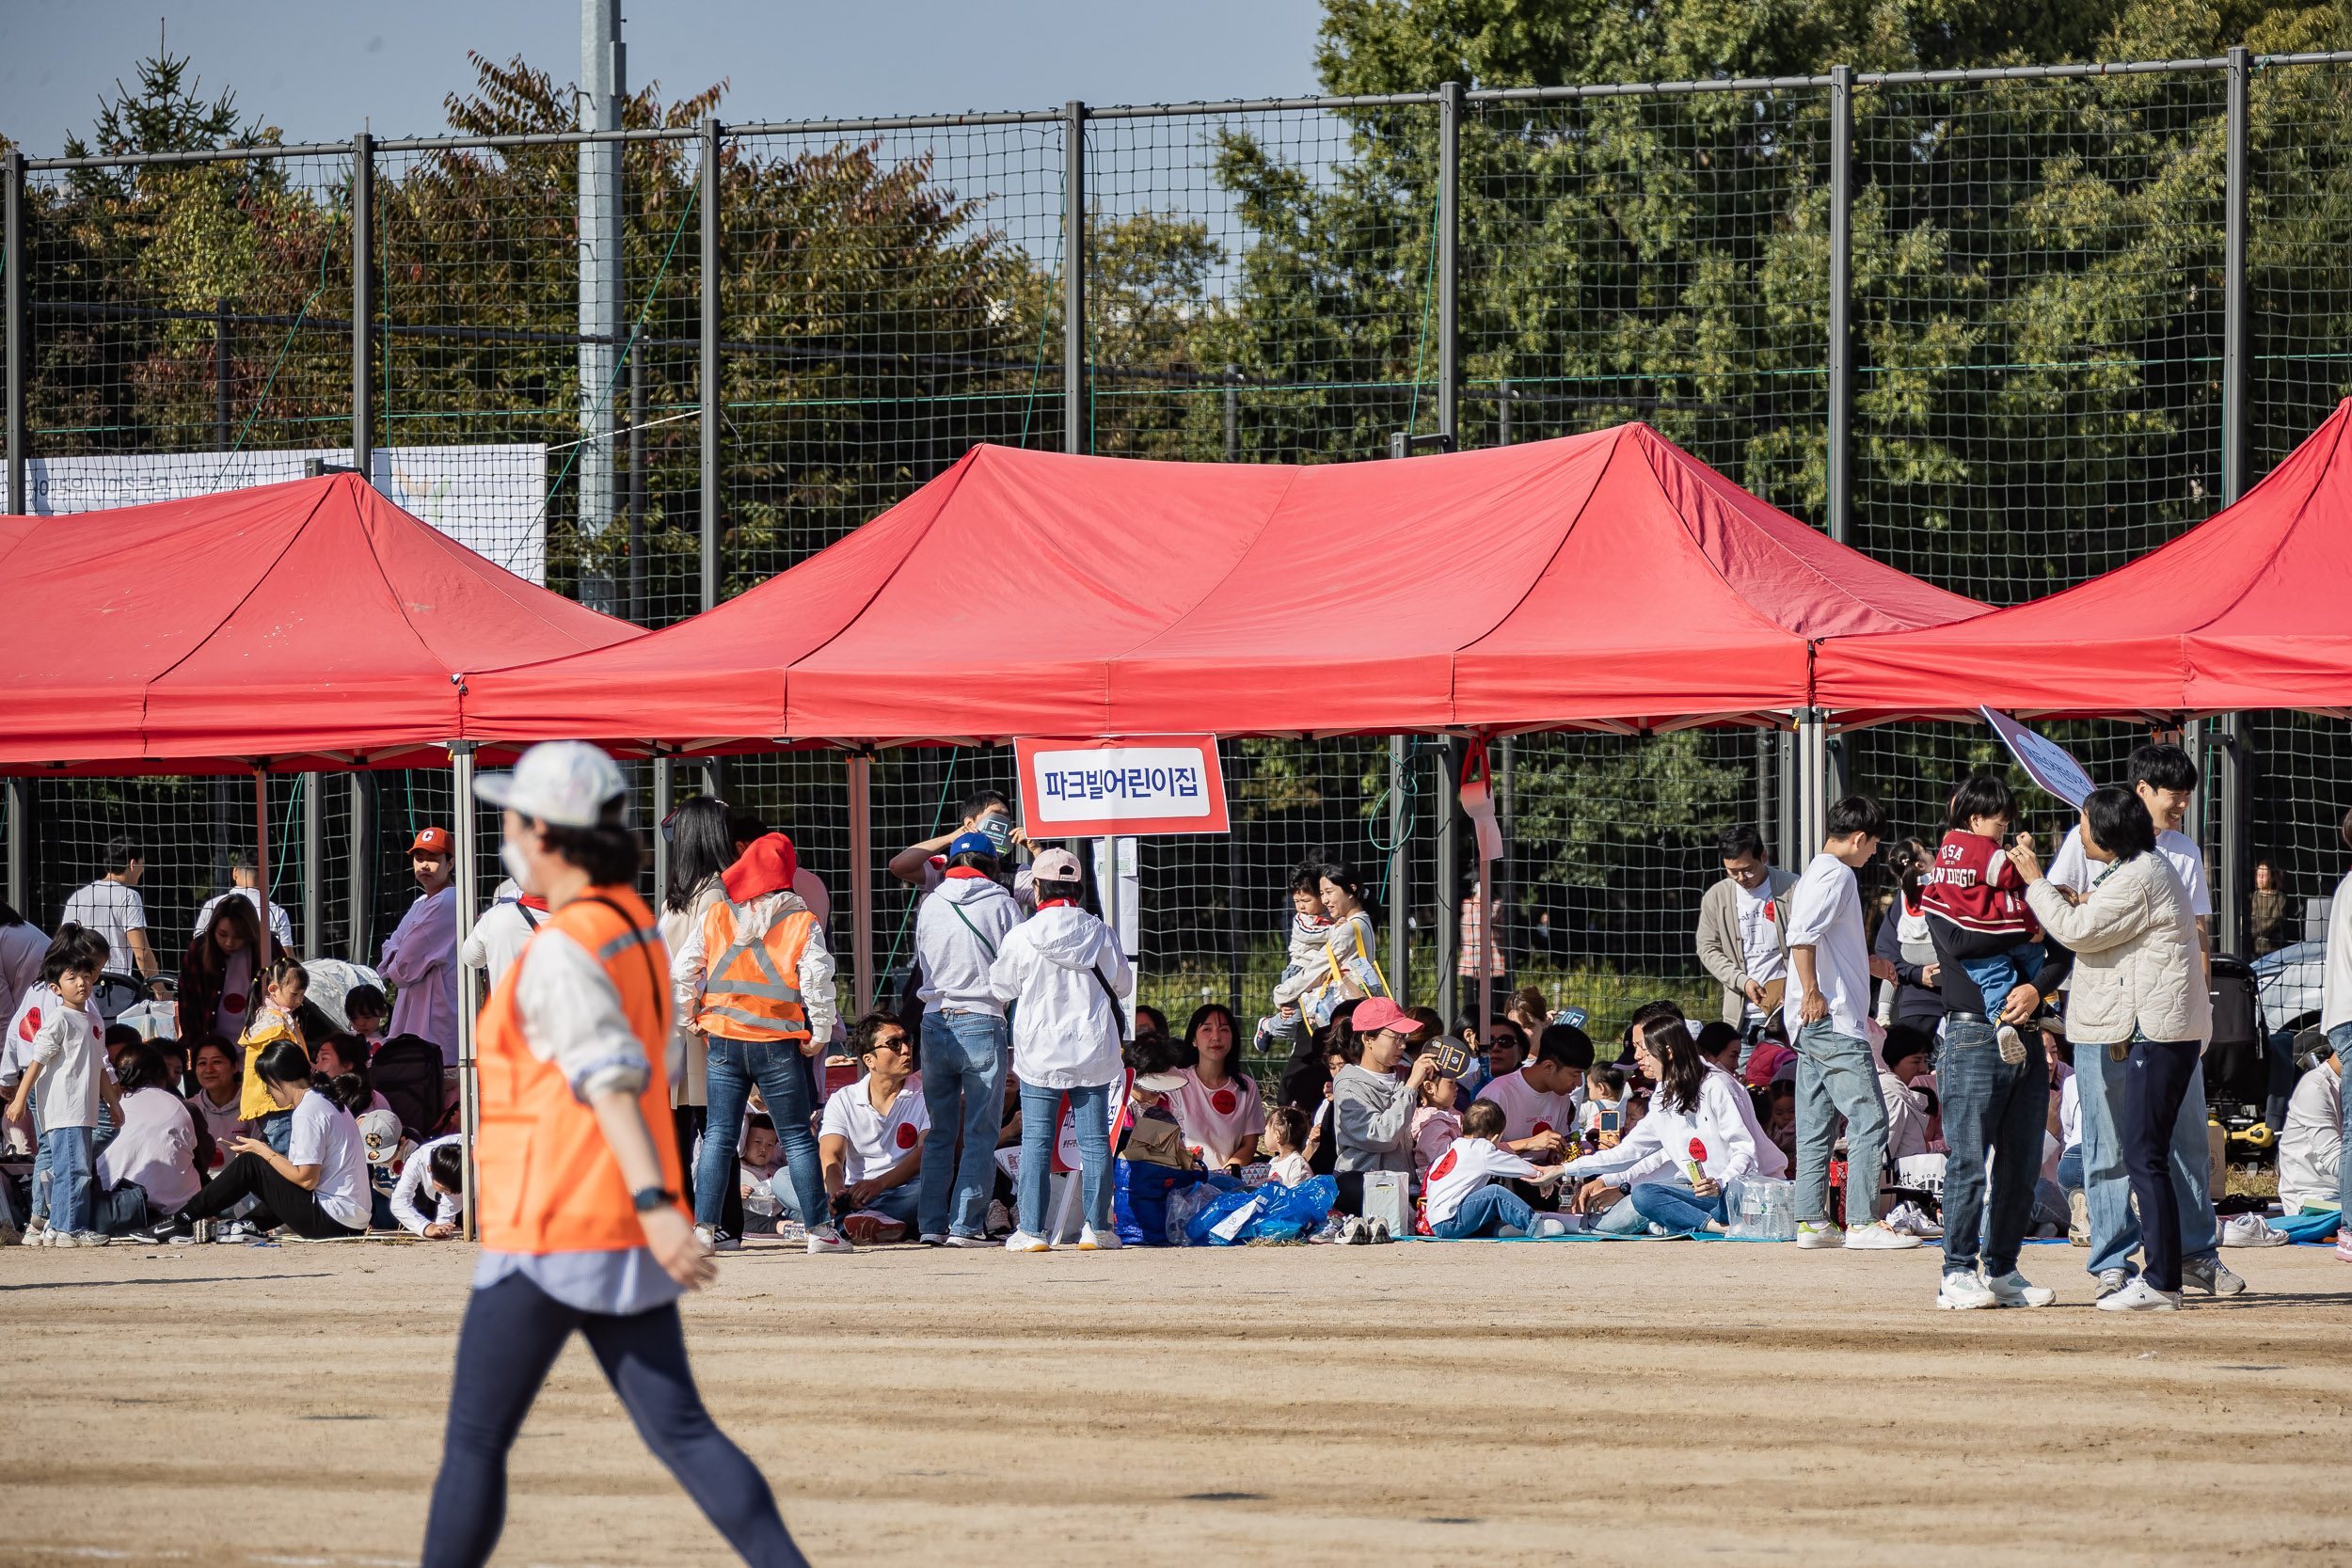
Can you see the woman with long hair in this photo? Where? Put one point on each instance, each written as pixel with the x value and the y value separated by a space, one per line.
pixel 216 976
pixel 1351 948
pixel 700 850
pixel 1219 1107
pixel 1694 1140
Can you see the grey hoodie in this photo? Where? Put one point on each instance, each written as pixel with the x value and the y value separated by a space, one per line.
pixel 957 937
pixel 1376 1119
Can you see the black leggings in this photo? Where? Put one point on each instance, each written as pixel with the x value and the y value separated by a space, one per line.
pixel 514 1331
pixel 281 1201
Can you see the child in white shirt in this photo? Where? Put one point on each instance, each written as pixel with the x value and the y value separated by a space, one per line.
pixel 1294 1138
pixel 62 1054
pixel 1462 1202
pixel 1600 1121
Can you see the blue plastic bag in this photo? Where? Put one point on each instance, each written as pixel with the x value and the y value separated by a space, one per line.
pixel 1276 1213
pixel 1140 1194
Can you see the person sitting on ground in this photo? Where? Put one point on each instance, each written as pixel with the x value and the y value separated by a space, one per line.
pixel 1304 969
pixel 435 1170
pixel 1975 888
pixel 1436 1123
pixel 2311 1150
pixel 1315 1060
pixel 365 1011
pixel 1293 1137
pixel 1904 1059
pixel 342 1055
pixel 61 1058
pixel 219 1104
pixel 1373 1110
pixel 1780 1128
pixel 149 1166
pixel 1541 1100
pixel 318 1188
pixel 175 1065
pixel 278 996
pixel 1462 1200
pixel 1694 1139
pixel 755 1166
pixel 1719 1043
pixel 871 1139
pixel 1218 1108
pixel 1600 1121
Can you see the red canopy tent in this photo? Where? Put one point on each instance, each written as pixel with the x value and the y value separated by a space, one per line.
pixel 2251 608
pixel 314 623
pixel 1607 581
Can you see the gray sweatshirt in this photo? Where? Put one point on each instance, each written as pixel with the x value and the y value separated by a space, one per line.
pixel 1376 1118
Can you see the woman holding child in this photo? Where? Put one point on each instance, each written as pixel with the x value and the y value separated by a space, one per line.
pixel 1694 1140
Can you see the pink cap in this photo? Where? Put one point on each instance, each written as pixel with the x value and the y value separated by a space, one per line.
pixel 1375 1013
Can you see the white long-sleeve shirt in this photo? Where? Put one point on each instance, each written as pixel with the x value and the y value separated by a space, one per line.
pixel 572 1017
pixel 690 965
pixel 498 939
pixel 2335 994
pixel 2311 1149
pixel 448 1207
pixel 22 948
pixel 421 961
pixel 1656 1149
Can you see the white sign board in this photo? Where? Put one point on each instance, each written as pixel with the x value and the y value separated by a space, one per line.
pixel 1094 788
pixel 492 499
pixel 2046 761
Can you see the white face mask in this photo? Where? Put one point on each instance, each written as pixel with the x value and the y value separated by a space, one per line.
pixel 517 867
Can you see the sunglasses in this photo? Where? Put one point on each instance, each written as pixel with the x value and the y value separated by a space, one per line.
pixel 900 1044
pixel 668 835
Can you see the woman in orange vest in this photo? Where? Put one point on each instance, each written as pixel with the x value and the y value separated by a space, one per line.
pixel 580 1223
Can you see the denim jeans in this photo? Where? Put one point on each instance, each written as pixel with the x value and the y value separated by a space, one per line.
pixel 1040 1119
pixel 1836 1077
pixel 1989 1104
pixel 898 1202
pixel 733 1068
pixel 1484 1213
pixel 2156 1082
pixel 1676 1206
pixel 2341 1038
pixel 2004 972
pixel 277 1130
pixel 41 1156
pixel 70 1178
pixel 2070 1171
pixel 963 1093
pixel 2114 1230
pixel 121 1211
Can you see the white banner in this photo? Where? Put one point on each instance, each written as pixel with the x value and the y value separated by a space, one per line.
pixel 489 499
pixel 2045 762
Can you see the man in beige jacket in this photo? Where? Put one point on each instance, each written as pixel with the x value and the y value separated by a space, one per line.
pixel 1744 934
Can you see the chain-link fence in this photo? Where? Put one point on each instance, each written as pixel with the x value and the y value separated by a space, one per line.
pixel 2040 367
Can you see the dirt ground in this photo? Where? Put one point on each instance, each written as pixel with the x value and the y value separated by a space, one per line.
pixel 1652 1402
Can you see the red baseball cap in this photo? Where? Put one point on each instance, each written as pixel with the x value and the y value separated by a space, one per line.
pixel 432 840
pixel 1375 1013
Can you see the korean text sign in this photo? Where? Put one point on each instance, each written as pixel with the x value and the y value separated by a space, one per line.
pixel 1162 783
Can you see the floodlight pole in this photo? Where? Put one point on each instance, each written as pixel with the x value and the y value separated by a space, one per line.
pixel 469 1077
pixel 12 174
pixel 1073 274
pixel 1448 280
pixel 713 413
pixel 1840 300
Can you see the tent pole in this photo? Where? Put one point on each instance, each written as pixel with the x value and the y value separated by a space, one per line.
pixel 1445 800
pixel 362 864
pixel 1400 966
pixel 664 788
pixel 313 865
pixel 1486 950
pixel 261 849
pixel 468 1082
pixel 861 780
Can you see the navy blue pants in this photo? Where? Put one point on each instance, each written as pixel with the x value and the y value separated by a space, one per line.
pixel 2155 1080
pixel 514 1331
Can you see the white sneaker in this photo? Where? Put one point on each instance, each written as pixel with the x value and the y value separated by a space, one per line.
pixel 1091 1240
pixel 99 1238
pixel 968 1241
pixel 1908 1219
pixel 1510 1233
pixel 933 1237
pixel 1019 1240
pixel 1819 1233
pixel 824 1238
pixel 2112 1281
pixel 2010 1290
pixel 1549 1225
pixel 2012 1044
pixel 40 1225
pixel 1876 1238
pixel 2251 1230
pixel 2141 1296
pixel 2212 1277
pixel 54 1237
pixel 1963 1292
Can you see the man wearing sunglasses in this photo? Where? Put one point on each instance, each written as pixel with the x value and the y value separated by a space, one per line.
pixel 870 1140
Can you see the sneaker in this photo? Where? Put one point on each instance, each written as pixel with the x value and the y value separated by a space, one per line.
pixel 1379 1229
pixel 1875 1237
pixel 2141 1296
pixel 933 1237
pixel 1819 1233
pixel 970 1240
pixel 1359 1232
pixel 2251 1230
pixel 54 1237
pixel 1909 1219
pixel 2112 1281
pixel 160 1235
pixel 791 1232
pixel 1509 1233
pixel 99 1238
pixel 1963 1292
pixel 999 1218
pixel 2010 1290
pixel 722 1240
pixel 869 1228
pixel 2012 1044
pixel 2078 1212
pixel 39 1226
pixel 2211 1276
pixel 1019 1240
pixel 1549 1225
pixel 824 1238
pixel 235 1230
pixel 2343 1249
pixel 1091 1240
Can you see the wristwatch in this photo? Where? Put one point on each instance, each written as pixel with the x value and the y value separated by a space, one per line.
pixel 649 1199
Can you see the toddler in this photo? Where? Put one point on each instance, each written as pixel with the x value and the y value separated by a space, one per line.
pixel 1974 886
pixel 1310 927
pixel 1433 1126
pixel 760 1159
pixel 1596 1122
pixel 1293 1137
pixel 61 1052
pixel 1462 1200
pixel 282 986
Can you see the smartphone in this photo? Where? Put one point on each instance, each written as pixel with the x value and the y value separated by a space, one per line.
pixel 1609 1119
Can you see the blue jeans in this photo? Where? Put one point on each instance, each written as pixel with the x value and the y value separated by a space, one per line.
pixel 2004 972
pixel 898 1202
pixel 41 1156
pixel 2070 1172
pixel 1836 1077
pixel 121 1211
pixel 963 1093
pixel 1040 1119
pixel 70 1178
pixel 2341 1038
pixel 1676 1206
pixel 1989 1104
pixel 2114 1230
pixel 1484 1212
pixel 734 1066
pixel 277 1130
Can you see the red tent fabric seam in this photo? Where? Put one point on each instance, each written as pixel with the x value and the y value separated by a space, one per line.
pixel 1265 521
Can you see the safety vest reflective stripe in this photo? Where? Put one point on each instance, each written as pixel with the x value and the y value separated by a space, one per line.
pixel 627 939
pixel 760 973
pixel 740 1015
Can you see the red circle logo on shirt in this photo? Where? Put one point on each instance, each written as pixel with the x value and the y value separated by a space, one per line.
pixel 31 1026
pixel 1542 1127
pixel 232 1003
pixel 1224 1101
pixel 1444 1164
pixel 906 1134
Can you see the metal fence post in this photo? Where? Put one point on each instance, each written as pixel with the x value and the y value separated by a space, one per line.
pixel 19 319
pixel 713 413
pixel 361 867
pixel 469 1081
pixel 313 865
pixel 22 796
pixel 1400 967
pixel 1233 413
pixel 362 304
pixel 637 485
pixel 1448 872
pixel 1503 415
pixel 2237 319
pixel 221 412
pixel 861 782
pixel 1840 300
pixel 1449 233
pixel 1073 274
pixel 664 776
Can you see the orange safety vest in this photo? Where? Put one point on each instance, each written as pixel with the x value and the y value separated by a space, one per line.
pixel 751 989
pixel 549 1182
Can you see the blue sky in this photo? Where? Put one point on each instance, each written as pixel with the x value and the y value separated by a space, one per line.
pixel 321 71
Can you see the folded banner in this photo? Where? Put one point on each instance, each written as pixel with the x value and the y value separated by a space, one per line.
pixel 2045 762
pixel 1159 784
pixel 1478 801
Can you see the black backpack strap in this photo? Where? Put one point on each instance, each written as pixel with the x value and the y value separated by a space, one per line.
pixel 644 948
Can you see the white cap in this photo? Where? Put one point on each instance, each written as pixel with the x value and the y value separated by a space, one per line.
pixel 563 783
pixel 1056 866
pixel 381 1132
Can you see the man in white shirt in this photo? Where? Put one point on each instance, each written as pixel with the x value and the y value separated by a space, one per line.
pixel 2335 1016
pixel 1540 1102
pixel 111 906
pixel 248 884
pixel 1828 1001
pixel 420 954
pixel 2165 779
pixel 1743 924
pixel 870 1140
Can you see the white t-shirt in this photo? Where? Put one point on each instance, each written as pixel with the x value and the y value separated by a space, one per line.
pixel 155 1146
pixel 280 923
pixel 1222 1121
pixel 326 1136
pixel 1292 1170
pixel 23 1027
pixel 1526 1112
pixel 2071 1112
pixel 65 1044
pixel 1461 1170
pixel 2071 868
pixel 113 910
pixel 877 1139
pixel 1759 938
pixel 1825 914
pixel 22 948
